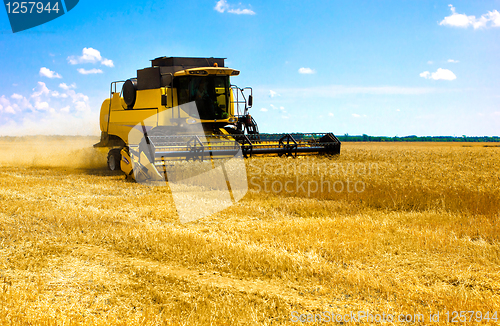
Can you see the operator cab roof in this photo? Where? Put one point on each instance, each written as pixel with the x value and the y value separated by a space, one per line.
pixel 187 62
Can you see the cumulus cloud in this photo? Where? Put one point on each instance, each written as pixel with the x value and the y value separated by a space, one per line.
pixel 306 71
pixel 107 63
pixel 425 74
pixel 263 110
pixel 90 71
pixel 443 74
pixel 222 6
pixel 90 55
pixel 19 103
pixel 47 111
pixel 41 106
pixel 42 97
pixel 66 87
pixel 45 72
pixel 490 19
pixel 40 90
pixel 273 93
pixel 6 106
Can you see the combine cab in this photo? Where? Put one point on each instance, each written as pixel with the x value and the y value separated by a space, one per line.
pixel 186 108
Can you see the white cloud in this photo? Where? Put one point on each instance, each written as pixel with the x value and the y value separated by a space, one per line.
pixel 90 71
pixel 4 101
pixel 457 20
pixel 21 103
pixel 42 90
pixel 107 63
pixel 306 71
pixel 9 109
pixel 453 61
pixel 263 110
pixel 494 17
pixel 239 11
pixel 6 106
pixel 90 55
pixel 273 107
pixel 66 87
pixel 41 106
pixel 77 97
pixel 443 74
pixel 425 74
pixel 331 114
pixel 52 122
pixel 45 72
pixel 42 98
pixel 222 6
pixel 491 19
pixel 47 112
pixel 430 62
pixel 273 93
pixel 355 115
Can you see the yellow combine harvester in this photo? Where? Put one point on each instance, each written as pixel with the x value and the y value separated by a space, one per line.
pixel 186 108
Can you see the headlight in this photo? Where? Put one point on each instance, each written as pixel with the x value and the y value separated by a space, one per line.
pixel 232 119
pixel 191 121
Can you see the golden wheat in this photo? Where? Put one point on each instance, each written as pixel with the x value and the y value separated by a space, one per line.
pixel 81 245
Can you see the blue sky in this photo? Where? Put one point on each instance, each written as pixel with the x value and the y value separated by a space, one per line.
pixel 379 68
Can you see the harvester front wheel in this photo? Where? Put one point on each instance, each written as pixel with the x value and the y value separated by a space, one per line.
pixel 114 158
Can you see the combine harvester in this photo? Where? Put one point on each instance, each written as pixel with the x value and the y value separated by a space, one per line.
pixel 186 108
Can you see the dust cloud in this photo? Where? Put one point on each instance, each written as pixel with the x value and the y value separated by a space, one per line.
pixel 52 151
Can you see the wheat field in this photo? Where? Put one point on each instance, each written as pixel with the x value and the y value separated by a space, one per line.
pixel 385 228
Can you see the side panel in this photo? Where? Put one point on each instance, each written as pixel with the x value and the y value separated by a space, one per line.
pixel 103 117
pixel 148 98
pixel 123 120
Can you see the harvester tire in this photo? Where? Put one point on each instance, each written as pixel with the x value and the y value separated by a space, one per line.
pixel 114 158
